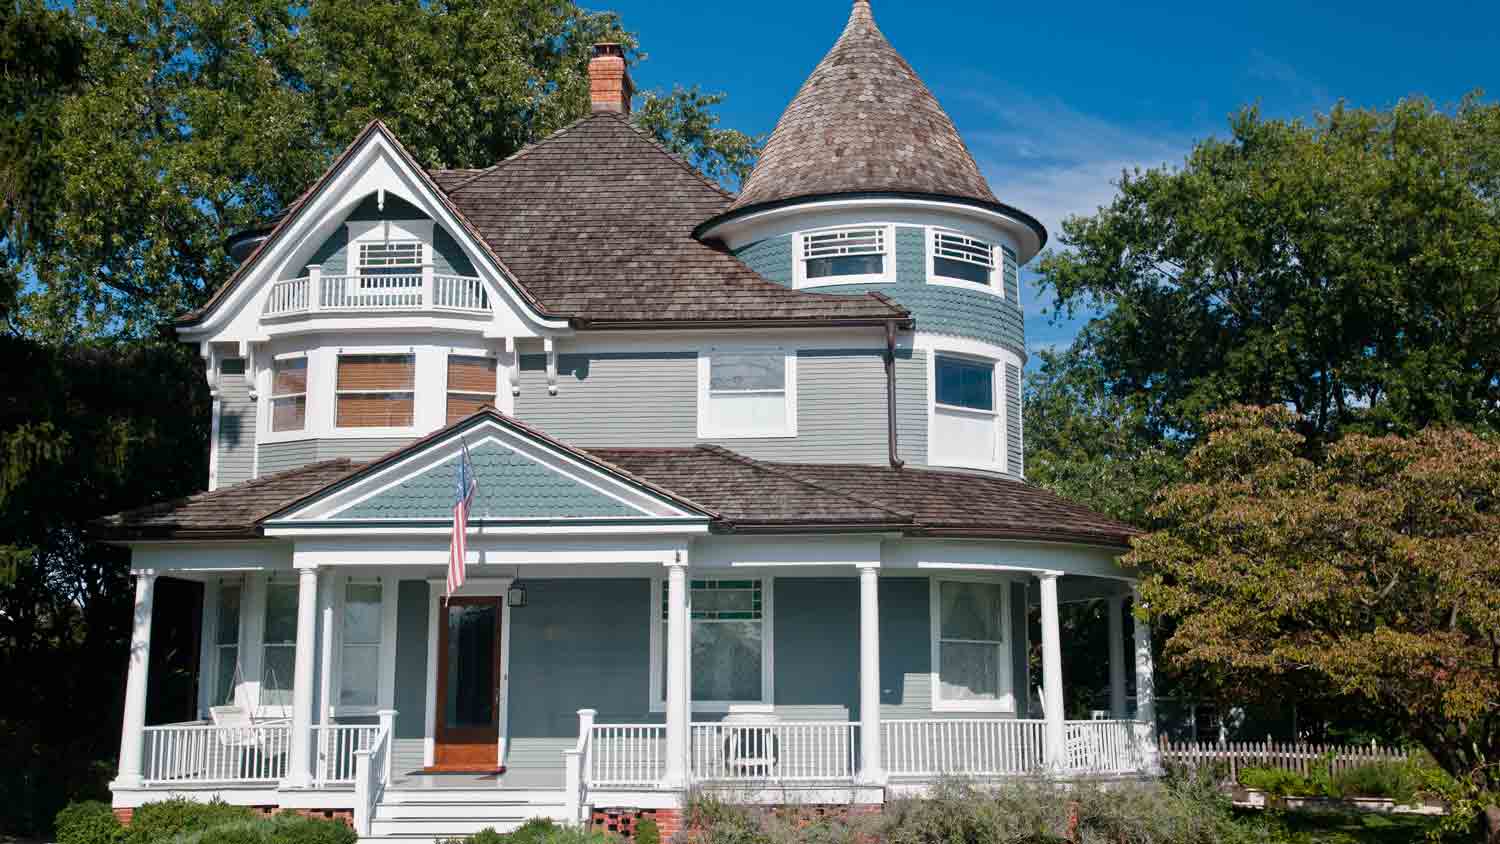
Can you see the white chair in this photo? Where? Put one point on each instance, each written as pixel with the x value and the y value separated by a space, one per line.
pixel 750 745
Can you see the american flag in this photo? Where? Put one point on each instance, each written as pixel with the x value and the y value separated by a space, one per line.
pixel 463 496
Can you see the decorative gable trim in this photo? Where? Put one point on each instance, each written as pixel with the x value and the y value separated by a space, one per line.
pixel 374 162
pixel 518 467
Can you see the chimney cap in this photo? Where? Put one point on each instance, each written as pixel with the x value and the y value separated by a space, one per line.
pixel 609 48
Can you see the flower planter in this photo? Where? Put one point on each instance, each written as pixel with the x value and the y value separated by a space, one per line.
pixel 1249 798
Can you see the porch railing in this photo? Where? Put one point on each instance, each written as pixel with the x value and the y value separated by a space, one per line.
pixel 372 772
pixel 1107 747
pixel 336 745
pixel 199 753
pixel 785 751
pixel 622 755
pixel 963 746
pixel 376 293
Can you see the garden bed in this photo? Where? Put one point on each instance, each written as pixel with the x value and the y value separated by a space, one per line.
pixel 1249 798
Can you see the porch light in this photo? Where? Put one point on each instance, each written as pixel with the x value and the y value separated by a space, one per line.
pixel 515 596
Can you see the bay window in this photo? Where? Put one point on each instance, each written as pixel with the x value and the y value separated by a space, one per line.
pixel 730 643
pixel 747 394
pixel 375 391
pixel 279 645
pixel 958 257
pixel 289 394
pixel 971 655
pixel 471 385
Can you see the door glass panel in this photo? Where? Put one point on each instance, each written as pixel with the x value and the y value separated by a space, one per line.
pixel 470 692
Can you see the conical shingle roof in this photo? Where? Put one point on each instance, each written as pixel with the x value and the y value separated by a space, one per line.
pixel 863 122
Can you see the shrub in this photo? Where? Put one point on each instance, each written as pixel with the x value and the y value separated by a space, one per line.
pixel 285 828
pixel 647 832
pixel 1395 780
pixel 163 821
pixel 89 822
pixel 534 831
pixel 1279 783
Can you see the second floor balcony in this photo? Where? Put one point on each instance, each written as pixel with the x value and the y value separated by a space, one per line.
pixel 423 291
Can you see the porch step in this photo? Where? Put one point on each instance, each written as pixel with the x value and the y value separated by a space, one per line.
pixel 422 816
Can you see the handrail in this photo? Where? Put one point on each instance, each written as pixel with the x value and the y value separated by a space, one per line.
pixel 779 751
pixel 576 763
pixel 198 752
pixel 362 293
pixel 372 772
pixel 336 745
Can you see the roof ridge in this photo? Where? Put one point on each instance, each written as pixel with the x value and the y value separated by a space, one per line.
pixel 526 150
pixel 779 470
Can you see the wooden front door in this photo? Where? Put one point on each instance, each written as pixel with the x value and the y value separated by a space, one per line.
pixel 468 685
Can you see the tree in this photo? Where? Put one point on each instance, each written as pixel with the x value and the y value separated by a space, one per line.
pixel 1368 577
pixel 1348 268
pixel 200 118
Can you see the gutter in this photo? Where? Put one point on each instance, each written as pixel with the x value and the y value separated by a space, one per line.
pixel 890 394
pixel 663 324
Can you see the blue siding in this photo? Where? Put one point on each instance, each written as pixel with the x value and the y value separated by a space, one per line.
pixel 447 257
pixel 772 258
pixel 411 659
pixel 510 487
pixel 817 647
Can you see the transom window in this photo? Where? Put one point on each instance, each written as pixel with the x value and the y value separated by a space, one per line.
pixel 289 394
pixel 359 654
pixel 729 641
pixel 471 385
pixel 747 394
pixel 838 253
pixel 964 383
pixel 390 257
pixel 279 650
pixel 958 256
pixel 375 391
pixel 970 643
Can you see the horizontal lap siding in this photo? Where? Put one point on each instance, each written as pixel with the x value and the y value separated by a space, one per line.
pixel 911 407
pixel 278 457
pixel 236 440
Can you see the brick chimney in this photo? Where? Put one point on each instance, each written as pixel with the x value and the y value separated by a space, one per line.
pixel 610 87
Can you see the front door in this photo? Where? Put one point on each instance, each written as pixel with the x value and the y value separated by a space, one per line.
pixel 468 685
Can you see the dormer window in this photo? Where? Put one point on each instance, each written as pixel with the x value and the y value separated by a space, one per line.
pixel 385 258
pixel 961 258
pixel 849 255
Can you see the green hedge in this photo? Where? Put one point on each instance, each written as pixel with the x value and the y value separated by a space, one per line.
pixel 188 822
pixel 90 822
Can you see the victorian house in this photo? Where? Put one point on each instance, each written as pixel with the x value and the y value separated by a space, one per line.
pixel 751 510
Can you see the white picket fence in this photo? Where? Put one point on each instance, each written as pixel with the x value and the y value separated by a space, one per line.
pixel 1298 757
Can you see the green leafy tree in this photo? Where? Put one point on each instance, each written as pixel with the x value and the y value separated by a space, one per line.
pixel 1348 268
pixel 685 123
pixel 1367 577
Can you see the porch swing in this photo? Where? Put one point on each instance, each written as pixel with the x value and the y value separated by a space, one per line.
pixel 240 728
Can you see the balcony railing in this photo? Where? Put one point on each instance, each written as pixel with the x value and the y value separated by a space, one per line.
pixel 364 293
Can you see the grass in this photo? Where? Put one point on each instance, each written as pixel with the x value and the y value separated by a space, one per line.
pixel 1352 828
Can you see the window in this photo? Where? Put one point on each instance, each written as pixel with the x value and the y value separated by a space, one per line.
pixel 969 643
pixel 226 643
pixel 381 262
pixel 359 654
pixel 965 383
pixel 279 652
pixel 963 258
pixel 471 385
pixel 289 394
pixel 730 642
pixel 375 391
pixel 747 394
pixel 842 256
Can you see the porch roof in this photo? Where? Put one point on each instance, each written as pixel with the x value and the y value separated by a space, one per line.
pixel 737 494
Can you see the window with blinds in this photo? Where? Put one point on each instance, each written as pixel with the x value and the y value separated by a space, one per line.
pixel 471 385
pixel 289 394
pixel 375 391
pixel 960 257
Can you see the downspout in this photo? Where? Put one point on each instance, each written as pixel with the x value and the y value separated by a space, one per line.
pixel 890 392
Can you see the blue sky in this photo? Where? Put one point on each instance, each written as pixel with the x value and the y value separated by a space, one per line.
pixel 1055 99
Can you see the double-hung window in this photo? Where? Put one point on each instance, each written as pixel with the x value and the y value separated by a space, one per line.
pixel 970 647
pixel 226 644
pixel 846 255
pixel 359 647
pixel 747 393
pixel 958 257
pixel 375 391
pixel 731 642
pixel 289 394
pixel 279 646
pixel 966 422
pixel 471 385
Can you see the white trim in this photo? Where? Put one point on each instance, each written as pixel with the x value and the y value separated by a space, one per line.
pixel 972 352
pixel 1006 702
pixel 995 286
pixel 271 396
pixel 213 443
pixel 434 612
pixel 658 625
pixel 706 428
pixel 887 265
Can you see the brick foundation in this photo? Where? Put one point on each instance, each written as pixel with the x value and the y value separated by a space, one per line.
pixel 124 816
pixel 623 822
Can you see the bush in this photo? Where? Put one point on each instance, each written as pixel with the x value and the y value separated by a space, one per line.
pixel 1395 780
pixel 163 821
pixel 534 831
pixel 279 829
pixel 1279 783
pixel 647 832
pixel 90 822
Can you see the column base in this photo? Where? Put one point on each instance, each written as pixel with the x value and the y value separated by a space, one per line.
pixel 125 782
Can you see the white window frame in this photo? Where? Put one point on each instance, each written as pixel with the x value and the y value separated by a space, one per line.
pixel 1006 702
pixel 706 427
pixel 493 396
pixel 959 350
pixel 888 262
pixel 658 624
pixel 363 232
pixel 376 352
pixel 996 284
pixel 270 411
pixel 282 710
pixel 208 673
pixel 386 647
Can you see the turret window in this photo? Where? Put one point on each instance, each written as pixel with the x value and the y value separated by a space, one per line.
pixel 959 257
pixel 965 422
pixel 844 255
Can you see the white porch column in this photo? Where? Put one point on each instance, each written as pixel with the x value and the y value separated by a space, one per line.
pixel 326 645
pixel 133 731
pixel 871 769
pixel 678 708
pixel 1117 708
pixel 299 765
pixel 1145 682
pixel 1052 680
